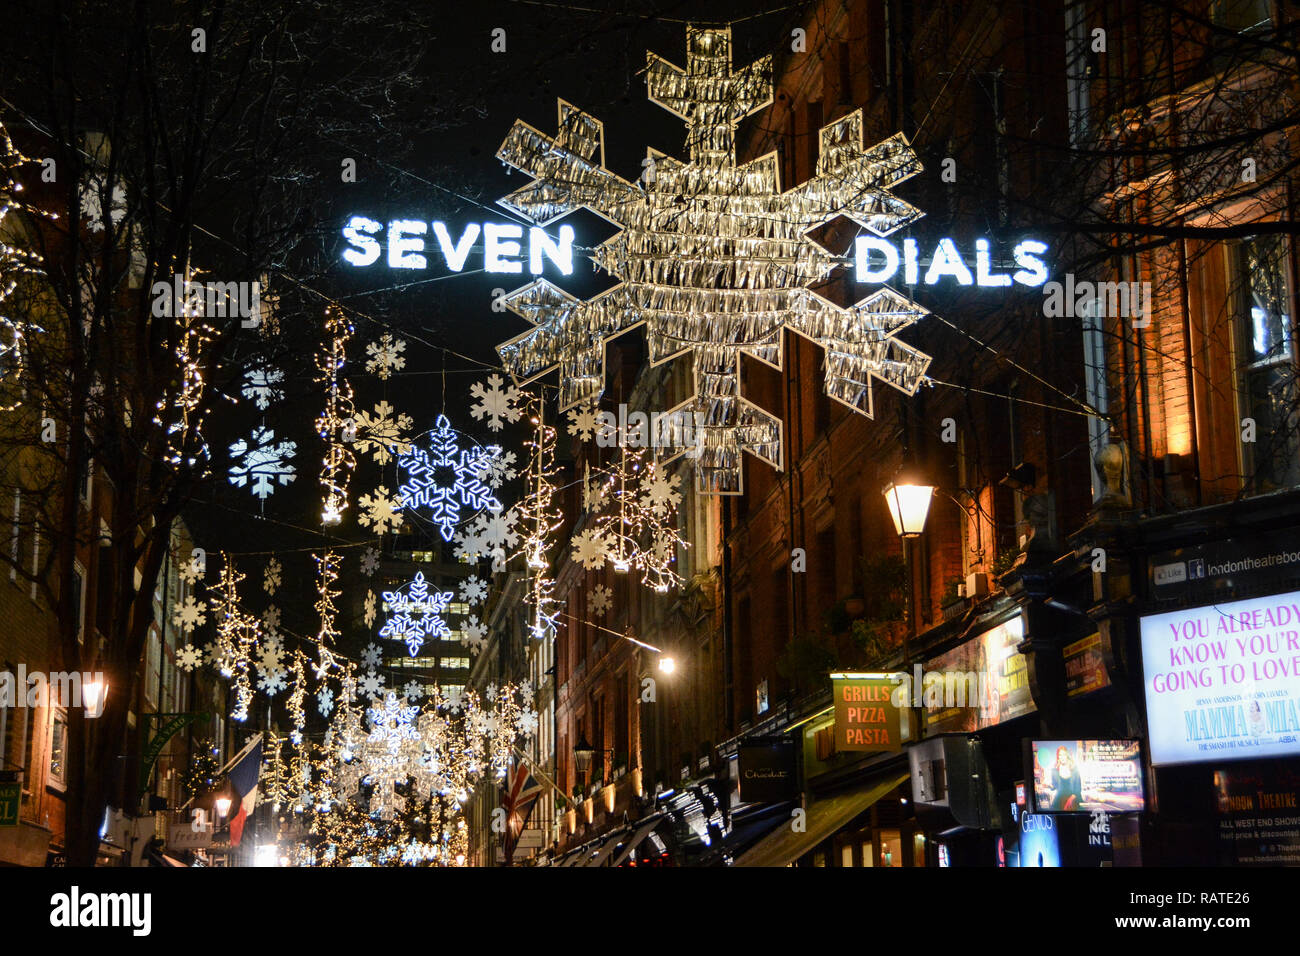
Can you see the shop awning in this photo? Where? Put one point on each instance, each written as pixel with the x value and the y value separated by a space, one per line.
pixel 159 858
pixel 638 836
pixel 596 852
pixel 783 846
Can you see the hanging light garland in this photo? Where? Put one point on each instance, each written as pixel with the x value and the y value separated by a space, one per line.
pixel 539 519
pixel 13 262
pixel 336 424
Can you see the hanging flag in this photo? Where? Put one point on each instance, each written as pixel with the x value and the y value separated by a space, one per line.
pixel 518 800
pixel 245 772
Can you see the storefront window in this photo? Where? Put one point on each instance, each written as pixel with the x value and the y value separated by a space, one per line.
pixel 890 843
pixel 918 849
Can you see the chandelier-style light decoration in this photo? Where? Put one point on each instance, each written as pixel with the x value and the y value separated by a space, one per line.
pixel 715 259
pixel 446 478
pixel 632 520
pixel 336 423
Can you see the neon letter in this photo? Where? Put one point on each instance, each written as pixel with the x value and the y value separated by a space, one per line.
pixel 499 243
pixel 558 251
pixel 365 249
pixel 457 254
pixel 1032 269
pixel 403 253
pixel 868 244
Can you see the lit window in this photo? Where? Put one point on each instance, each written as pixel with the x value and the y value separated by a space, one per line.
pixel 58 748
pixel 1266 366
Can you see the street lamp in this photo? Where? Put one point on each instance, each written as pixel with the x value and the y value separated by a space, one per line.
pixel 582 754
pixel 667 665
pixel 909 498
pixel 93 696
pixel 223 806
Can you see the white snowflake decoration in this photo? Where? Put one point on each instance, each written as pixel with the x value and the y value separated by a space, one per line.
pixel 189 657
pixel 383 435
pixel 473 591
pixel 498 469
pixel 271 576
pixel 417 615
pixel 386 356
pixel 413 690
pixel 584 422
pixel 499 405
pixel 372 655
pixel 661 494
pixel 497 530
pixel 599 599
pixel 271 619
pixel 191 571
pixel 527 723
pixel 713 257
pixel 189 614
pixel 445 479
pixel 372 684
pixel 262 385
pixel 469 546
pixel 368 609
pixel 369 561
pixel 264 462
pixel 272 680
pixel 590 548
pixel 325 701
pixel 381 512
pixel 270 655
pixel 475 634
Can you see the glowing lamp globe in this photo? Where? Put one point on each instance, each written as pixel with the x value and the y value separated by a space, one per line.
pixel 909 505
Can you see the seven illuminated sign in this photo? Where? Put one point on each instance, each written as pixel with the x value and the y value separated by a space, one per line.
pixel 502 245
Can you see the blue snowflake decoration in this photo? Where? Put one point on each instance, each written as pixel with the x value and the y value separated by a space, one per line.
pixel 446 478
pixel 391 723
pixel 417 615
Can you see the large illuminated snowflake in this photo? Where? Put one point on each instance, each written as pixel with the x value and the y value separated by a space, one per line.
pixel 715 259
pixel 417 615
pixel 446 478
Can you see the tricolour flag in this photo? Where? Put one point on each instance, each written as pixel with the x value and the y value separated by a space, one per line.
pixel 244 776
